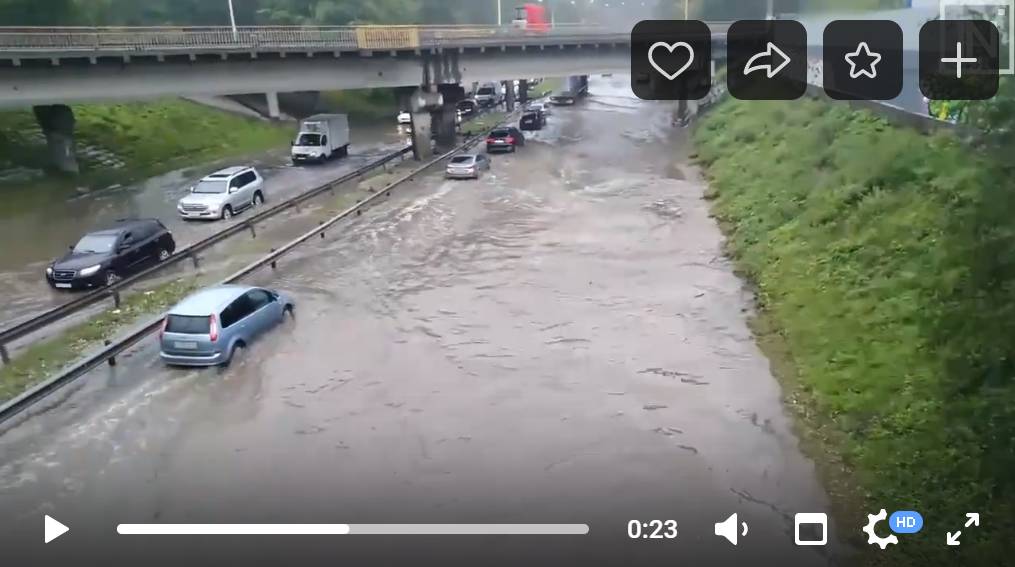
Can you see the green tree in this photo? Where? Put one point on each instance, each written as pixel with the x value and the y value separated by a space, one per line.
pixel 29 13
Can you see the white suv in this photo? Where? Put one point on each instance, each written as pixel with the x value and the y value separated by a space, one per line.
pixel 223 194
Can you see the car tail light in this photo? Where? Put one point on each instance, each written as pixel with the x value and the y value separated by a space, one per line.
pixel 510 139
pixel 490 140
pixel 213 328
pixel 162 331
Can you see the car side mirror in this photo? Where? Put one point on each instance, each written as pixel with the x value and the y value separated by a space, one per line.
pixel 191 188
pixel 233 189
pixel 70 247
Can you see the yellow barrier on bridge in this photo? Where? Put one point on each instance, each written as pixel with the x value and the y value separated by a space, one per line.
pixel 387 37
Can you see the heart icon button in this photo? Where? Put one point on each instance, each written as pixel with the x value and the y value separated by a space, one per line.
pixel 671 47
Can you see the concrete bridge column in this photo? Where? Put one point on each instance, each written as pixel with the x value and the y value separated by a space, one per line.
pixel 273 111
pixel 57 123
pixel 443 119
pixel 509 95
pixel 422 149
pixel 523 91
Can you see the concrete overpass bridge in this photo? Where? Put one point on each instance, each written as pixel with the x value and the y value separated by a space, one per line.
pixel 47 68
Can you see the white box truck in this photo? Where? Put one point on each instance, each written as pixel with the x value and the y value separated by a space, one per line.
pixel 489 94
pixel 321 137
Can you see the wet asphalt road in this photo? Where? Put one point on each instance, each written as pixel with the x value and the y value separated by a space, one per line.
pixel 45 234
pixel 561 341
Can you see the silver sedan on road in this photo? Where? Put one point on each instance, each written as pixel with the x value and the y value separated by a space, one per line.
pixel 210 326
pixel 467 166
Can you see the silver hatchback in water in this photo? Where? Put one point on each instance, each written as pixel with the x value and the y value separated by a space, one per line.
pixel 208 327
pixel 467 166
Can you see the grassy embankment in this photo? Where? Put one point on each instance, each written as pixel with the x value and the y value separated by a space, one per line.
pixel 43 359
pixel 125 142
pixel 363 106
pixel 884 262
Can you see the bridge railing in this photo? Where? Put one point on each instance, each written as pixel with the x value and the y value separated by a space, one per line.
pixel 163 39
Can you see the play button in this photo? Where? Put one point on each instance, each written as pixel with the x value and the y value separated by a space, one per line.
pixel 54 529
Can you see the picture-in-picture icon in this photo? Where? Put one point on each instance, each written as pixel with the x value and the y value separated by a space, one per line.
pixel 810 528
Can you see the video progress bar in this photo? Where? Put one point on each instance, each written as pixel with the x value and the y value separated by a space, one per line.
pixel 352 529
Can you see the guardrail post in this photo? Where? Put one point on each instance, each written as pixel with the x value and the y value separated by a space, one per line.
pixel 195 261
pixel 320 223
pixel 5 357
pixel 274 265
pixel 112 359
pixel 116 298
pixel 253 233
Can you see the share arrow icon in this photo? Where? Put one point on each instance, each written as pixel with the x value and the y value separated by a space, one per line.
pixel 771 60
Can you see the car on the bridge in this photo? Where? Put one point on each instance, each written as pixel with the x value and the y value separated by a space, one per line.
pixel 222 194
pixel 467 166
pixel 105 256
pixel 532 120
pixel 211 326
pixel 507 139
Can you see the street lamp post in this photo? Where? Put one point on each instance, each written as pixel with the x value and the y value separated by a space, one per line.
pixel 498 13
pixel 232 18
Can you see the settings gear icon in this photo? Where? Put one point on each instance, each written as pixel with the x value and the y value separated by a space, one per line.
pixel 873 538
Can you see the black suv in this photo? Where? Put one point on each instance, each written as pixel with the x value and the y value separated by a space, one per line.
pixel 532 120
pixel 105 256
pixel 507 138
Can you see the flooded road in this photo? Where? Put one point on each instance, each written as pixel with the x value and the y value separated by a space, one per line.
pixel 561 341
pixel 45 234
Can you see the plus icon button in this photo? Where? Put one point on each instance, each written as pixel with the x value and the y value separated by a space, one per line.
pixel 959 60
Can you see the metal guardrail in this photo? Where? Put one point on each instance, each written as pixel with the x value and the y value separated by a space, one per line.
pixel 46 318
pixel 140 40
pixel 30 397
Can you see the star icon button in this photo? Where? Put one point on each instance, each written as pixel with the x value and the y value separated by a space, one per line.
pixel 863 62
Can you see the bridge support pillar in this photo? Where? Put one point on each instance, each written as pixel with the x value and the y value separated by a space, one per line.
pixel 422 148
pixel 57 123
pixel 444 119
pixel 273 110
pixel 523 91
pixel 509 95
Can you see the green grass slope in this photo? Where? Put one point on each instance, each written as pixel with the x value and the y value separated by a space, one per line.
pixel 884 262
pixel 132 140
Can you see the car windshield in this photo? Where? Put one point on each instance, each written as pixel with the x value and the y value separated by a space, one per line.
pixel 500 133
pixel 485 91
pixel 187 324
pixel 96 243
pixel 309 140
pixel 211 186
pixel 462 159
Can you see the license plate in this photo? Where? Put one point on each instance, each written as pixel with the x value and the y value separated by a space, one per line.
pixel 63 285
pixel 190 345
pixel 499 142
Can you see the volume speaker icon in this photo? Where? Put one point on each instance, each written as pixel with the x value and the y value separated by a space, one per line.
pixel 729 529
